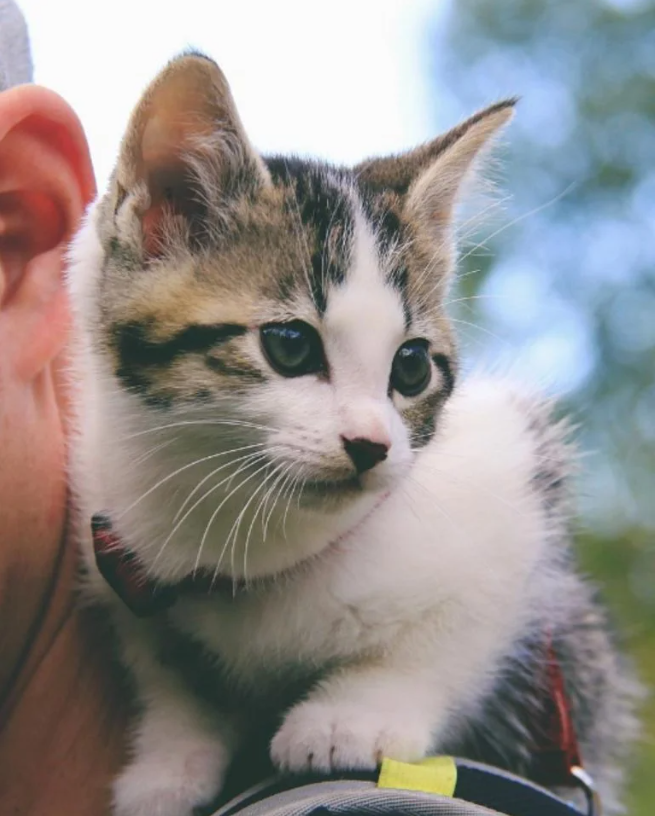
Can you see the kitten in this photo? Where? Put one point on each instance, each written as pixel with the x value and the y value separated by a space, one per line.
pixel 336 538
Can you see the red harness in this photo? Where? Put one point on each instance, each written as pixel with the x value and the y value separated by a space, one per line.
pixel 558 751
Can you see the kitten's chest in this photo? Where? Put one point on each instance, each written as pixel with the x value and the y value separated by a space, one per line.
pixel 272 631
pixel 297 628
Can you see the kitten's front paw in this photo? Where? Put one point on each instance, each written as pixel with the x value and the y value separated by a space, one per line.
pixel 171 783
pixel 317 736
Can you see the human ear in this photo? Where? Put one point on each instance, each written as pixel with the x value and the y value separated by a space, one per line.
pixel 46 181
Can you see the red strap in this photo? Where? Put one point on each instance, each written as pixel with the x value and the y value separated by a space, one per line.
pixel 121 570
pixel 126 575
pixel 559 752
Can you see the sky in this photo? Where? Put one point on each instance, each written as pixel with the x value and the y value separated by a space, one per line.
pixel 341 81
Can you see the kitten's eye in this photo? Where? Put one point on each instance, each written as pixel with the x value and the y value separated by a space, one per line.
pixel 293 349
pixel 411 369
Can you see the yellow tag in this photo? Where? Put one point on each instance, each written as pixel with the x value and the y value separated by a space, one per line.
pixel 430 775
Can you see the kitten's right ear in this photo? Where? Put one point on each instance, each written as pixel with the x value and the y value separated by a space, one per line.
pixel 185 153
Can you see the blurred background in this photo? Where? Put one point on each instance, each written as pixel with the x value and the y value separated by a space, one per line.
pixel 557 278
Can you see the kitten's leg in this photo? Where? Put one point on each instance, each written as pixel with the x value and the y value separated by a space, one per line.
pixel 403 703
pixel 355 717
pixel 180 750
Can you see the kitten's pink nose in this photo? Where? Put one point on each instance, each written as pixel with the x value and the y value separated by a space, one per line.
pixel 365 453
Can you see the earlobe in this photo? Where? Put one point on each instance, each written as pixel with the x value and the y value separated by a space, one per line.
pixel 46 180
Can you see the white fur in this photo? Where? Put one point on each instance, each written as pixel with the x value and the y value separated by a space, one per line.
pixel 419 587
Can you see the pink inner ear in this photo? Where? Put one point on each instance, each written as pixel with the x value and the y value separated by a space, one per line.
pixel 153 239
pixel 184 107
pixel 178 112
pixel 167 135
pixel 168 183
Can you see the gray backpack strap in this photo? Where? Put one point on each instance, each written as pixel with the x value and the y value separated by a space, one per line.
pixel 346 797
pixel 480 791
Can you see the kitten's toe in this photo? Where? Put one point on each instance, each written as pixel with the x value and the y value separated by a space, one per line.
pixel 172 783
pixel 327 737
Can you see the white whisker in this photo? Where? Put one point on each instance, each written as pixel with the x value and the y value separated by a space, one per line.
pixel 471 297
pixel 254 459
pixel 520 218
pixel 267 513
pixel 152 451
pixel 247 461
pixel 271 475
pixel 482 329
pixel 184 422
pixel 294 483
pixel 218 510
pixel 476 218
pixel 213 472
pixel 167 478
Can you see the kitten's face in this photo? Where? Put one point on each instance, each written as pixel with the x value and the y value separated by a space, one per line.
pixel 286 310
pixel 309 318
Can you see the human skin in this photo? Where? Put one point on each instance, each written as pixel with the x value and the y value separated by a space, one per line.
pixel 62 714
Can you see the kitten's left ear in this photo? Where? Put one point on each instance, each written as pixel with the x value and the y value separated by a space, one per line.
pixel 430 178
pixel 185 148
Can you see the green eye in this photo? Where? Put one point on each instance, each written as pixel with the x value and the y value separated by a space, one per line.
pixel 411 369
pixel 293 349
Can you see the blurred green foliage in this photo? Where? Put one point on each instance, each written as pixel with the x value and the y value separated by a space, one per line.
pixel 564 286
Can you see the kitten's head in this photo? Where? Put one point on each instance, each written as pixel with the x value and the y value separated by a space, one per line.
pixel 297 306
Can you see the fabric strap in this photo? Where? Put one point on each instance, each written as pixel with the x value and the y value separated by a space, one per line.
pixel 479 790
